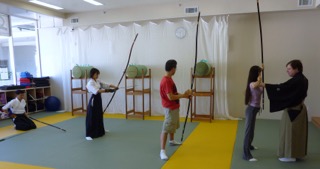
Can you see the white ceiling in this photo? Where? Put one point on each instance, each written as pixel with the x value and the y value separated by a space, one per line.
pixel 76 6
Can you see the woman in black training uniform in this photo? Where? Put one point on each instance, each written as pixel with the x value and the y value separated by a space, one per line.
pixel 94 118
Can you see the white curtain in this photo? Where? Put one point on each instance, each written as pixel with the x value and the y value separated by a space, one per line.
pixel 107 48
pixel 214 45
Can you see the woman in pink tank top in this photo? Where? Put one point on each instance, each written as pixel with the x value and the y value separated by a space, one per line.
pixel 254 91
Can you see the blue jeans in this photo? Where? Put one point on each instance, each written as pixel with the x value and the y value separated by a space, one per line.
pixel 251 114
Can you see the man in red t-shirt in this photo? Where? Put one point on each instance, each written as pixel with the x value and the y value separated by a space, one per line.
pixel 170 102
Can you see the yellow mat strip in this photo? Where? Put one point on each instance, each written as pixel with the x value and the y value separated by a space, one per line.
pixel 123 116
pixel 7 165
pixel 210 145
pixel 9 131
pixel 54 119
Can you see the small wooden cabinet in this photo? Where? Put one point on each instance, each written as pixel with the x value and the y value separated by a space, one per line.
pixel 36 98
pixel 209 93
pixel 144 92
pixel 78 89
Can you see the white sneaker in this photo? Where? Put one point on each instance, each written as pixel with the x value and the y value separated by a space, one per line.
pixel 89 138
pixel 252 160
pixel 163 155
pixel 174 143
pixel 287 159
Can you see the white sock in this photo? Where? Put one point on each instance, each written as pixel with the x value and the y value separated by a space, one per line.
pixel 89 138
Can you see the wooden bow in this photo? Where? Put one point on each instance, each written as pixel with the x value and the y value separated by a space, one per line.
pixel 194 71
pixel 261 43
pixel 124 72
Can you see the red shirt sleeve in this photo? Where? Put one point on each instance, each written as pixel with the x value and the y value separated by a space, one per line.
pixel 167 86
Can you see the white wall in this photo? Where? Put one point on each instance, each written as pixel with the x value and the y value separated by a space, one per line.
pixel 158 11
pixel 317 3
pixel 176 10
pixel 286 36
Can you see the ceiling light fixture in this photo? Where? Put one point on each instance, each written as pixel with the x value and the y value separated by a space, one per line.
pixel 45 4
pixel 93 2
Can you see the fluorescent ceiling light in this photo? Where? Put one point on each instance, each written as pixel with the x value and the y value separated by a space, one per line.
pixel 45 4
pixel 93 2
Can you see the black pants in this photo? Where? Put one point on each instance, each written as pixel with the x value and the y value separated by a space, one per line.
pixel 94 118
pixel 251 114
pixel 22 122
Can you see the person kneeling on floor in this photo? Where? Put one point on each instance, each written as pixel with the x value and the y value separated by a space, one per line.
pixel 16 110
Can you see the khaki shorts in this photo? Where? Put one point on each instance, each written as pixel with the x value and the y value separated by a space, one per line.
pixel 171 121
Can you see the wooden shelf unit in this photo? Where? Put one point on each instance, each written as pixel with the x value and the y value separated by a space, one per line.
pixel 34 97
pixel 208 94
pixel 144 92
pixel 316 121
pixel 79 90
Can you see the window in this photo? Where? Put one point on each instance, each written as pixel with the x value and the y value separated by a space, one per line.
pixel 19 51
pixel 7 76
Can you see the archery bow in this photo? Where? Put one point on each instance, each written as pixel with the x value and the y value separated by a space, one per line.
pixel 261 43
pixel 194 71
pixel 123 72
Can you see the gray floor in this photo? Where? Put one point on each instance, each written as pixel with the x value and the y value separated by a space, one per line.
pixel 266 139
pixel 134 144
pixel 131 144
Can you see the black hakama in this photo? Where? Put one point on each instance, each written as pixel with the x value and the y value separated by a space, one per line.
pixel 22 122
pixel 289 96
pixel 94 118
